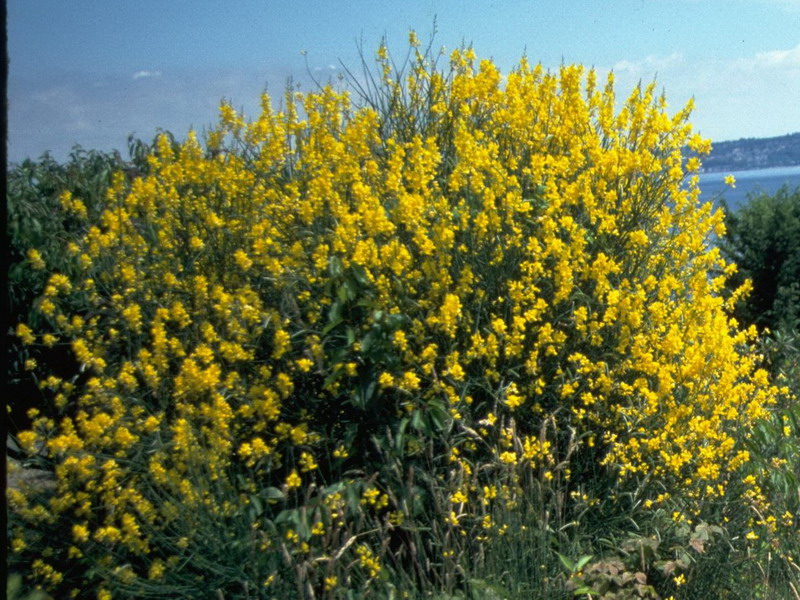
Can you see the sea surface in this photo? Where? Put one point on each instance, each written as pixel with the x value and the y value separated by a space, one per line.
pixel 757 181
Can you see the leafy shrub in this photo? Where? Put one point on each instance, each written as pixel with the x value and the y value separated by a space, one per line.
pixel 39 232
pixel 371 350
pixel 763 239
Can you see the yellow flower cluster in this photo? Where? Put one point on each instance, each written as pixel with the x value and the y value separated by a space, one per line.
pixel 524 261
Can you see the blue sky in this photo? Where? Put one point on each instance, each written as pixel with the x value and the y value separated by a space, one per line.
pixel 93 72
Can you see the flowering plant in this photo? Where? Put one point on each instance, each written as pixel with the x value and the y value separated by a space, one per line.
pixel 347 340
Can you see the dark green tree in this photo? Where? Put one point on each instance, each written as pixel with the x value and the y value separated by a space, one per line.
pixel 763 239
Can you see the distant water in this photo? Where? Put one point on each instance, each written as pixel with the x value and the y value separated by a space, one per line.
pixel 712 185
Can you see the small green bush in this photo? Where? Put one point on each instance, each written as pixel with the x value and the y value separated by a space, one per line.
pixel 39 232
pixel 763 239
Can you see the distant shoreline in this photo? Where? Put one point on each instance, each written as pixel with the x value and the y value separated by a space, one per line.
pixel 741 169
pixel 748 154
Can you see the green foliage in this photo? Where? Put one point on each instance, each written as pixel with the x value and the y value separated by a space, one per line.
pixel 763 239
pixel 37 221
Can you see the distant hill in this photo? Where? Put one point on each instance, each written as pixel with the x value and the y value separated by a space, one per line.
pixel 754 153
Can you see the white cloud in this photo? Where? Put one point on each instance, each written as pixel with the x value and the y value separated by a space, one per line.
pixel 649 65
pixel 778 58
pixel 330 67
pixel 747 96
pixel 146 74
pixel 778 67
pixel 752 96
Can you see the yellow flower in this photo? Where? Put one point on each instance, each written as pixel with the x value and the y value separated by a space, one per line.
pixel 133 315
pixel 27 441
pixel 241 258
pixel 410 381
pixel 80 533
pixel 298 434
pixel 25 334
pixel 513 399
pixel 47 307
pixel 368 560
pixel 304 364
pixel 508 458
pixel 18 545
pixel 281 343
pixel 458 497
pixel 331 582
pixel 293 480
pixel 36 259
pixel 449 314
pixel 400 340
pixel 156 570
pixel 307 462
pixel 318 528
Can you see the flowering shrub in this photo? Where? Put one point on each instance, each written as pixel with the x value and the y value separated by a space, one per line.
pixel 342 347
pixel 37 230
